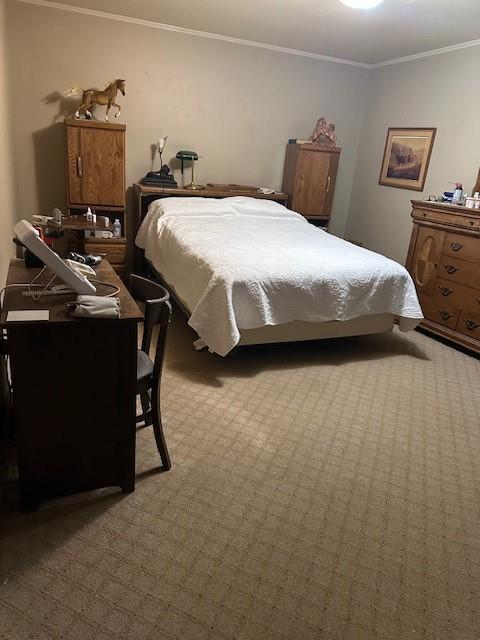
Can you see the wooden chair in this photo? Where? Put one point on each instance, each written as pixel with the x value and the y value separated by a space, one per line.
pixel 158 311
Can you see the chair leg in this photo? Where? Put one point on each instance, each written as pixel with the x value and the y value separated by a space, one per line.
pixel 159 435
pixel 146 404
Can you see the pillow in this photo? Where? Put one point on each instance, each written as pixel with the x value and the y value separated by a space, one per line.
pixel 261 208
pixel 193 205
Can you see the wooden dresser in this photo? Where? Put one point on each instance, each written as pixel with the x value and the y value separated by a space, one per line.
pixel 444 262
pixel 309 179
pixel 95 167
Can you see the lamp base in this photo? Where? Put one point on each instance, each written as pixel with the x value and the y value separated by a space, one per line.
pixel 194 187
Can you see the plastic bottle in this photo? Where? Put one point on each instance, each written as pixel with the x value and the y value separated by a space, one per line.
pixel 476 197
pixel 458 193
pixel 117 229
pixel 89 215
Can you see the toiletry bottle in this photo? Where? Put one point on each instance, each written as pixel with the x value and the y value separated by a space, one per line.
pixel 89 215
pixel 117 229
pixel 458 193
pixel 476 198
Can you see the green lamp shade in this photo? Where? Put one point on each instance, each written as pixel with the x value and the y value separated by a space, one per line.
pixel 187 155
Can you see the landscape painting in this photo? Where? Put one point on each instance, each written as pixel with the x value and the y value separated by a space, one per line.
pixel 406 157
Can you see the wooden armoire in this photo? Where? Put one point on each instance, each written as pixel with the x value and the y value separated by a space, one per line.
pixel 309 179
pixel 95 168
pixel 444 262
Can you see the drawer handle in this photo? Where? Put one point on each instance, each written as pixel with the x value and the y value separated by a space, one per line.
pixel 471 325
pixel 445 291
pixel 446 316
pixel 450 268
pixel 472 222
pixel 456 246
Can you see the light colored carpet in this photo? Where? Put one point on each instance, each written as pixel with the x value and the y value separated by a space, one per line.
pixel 319 491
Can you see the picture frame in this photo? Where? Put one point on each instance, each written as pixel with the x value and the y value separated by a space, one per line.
pixel 406 157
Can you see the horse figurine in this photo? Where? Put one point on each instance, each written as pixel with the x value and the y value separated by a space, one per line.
pixel 94 96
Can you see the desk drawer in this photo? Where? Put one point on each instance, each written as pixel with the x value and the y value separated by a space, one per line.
pixel 113 250
pixel 464 247
pixel 445 217
pixel 461 271
pixel 439 310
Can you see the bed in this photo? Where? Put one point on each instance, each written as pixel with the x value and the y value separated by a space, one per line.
pixel 251 271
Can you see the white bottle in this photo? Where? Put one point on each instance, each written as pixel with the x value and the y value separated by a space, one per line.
pixel 458 193
pixel 89 215
pixel 476 198
pixel 117 229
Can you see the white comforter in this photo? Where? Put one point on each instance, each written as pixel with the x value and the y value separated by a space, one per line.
pixel 241 263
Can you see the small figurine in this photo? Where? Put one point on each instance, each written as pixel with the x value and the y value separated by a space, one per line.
pixel 94 96
pixel 324 133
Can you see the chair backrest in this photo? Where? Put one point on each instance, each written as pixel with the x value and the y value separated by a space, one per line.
pixel 158 311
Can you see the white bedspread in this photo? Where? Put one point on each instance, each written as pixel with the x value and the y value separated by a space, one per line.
pixel 241 263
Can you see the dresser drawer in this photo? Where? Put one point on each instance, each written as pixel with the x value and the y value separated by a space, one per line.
pixel 113 250
pixel 439 310
pixel 469 324
pixel 464 247
pixel 461 271
pixel 457 295
pixel 445 217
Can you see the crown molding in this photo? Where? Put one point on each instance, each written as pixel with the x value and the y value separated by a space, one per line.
pixel 193 32
pixel 427 54
pixel 247 43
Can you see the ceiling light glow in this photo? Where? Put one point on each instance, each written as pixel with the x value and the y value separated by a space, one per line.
pixel 362 4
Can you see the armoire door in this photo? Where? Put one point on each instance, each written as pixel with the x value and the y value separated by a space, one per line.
pixel 95 166
pixel 102 153
pixel 313 183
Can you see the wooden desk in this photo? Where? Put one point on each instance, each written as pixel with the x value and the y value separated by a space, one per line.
pixel 74 393
pixel 144 194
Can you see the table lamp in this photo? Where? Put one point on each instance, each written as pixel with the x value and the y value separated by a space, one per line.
pixel 192 156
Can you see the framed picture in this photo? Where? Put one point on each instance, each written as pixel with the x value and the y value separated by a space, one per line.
pixel 406 157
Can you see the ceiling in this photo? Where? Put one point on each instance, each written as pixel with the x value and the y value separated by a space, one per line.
pixel 397 28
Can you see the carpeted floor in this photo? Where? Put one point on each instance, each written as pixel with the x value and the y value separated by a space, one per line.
pixel 319 491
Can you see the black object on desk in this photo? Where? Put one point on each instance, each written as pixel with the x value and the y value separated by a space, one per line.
pixel 74 388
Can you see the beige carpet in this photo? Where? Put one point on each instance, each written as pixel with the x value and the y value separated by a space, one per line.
pixel 319 491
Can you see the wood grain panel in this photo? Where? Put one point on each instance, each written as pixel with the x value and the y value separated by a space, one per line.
pixel 458 295
pixel 469 324
pixel 425 260
pixel 74 178
pixel 103 166
pixel 113 250
pixel 446 218
pixel 460 246
pixel 439 310
pixel 462 271
pixel 310 195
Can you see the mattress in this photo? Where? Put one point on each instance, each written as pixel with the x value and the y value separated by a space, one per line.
pixel 241 263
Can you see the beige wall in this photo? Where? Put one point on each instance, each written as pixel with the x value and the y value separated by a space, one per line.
pixel 441 91
pixel 7 212
pixel 236 105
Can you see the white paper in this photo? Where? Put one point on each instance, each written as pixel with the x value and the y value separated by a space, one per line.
pixel 28 315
